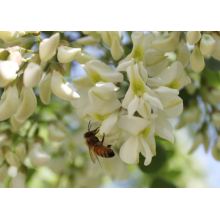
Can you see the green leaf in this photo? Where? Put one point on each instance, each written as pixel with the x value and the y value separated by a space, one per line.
pixel 213 64
pixel 161 183
pixel 211 78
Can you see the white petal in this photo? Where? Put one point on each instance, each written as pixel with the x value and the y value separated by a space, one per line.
pixel 133 125
pixel 146 151
pixel 109 123
pixel 67 54
pixel 129 151
pixel 153 101
pixel 7 72
pixel 143 108
pixel 100 72
pixel 9 103
pixel 197 60
pixel 173 76
pixel 62 89
pixel 48 47
pixel 128 98
pixel 105 91
pixel 27 105
pixel 172 103
pixel 116 49
pixel 133 106
pixel 32 75
pixel 124 64
pixel 164 128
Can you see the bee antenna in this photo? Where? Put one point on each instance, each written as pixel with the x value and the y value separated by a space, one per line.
pixel 89 125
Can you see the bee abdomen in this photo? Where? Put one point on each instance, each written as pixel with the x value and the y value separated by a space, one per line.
pixel 104 152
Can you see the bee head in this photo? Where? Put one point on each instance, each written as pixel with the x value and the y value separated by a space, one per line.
pixel 91 133
pixel 88 134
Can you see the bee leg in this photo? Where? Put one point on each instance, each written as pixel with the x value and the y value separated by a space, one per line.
pixel 96 130
pixel 103 138
pixel 89 126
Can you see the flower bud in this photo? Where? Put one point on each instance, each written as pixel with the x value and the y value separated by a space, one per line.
pixel 48 47
pixel 8 71
pixel 27 105
pixel 45 89
pixel 32 75
pixel 207 45
pixel 216 51
pixel 183 53
pixel 9 103
pixel 67 54
pixel 197 60
pixel 193 37
pixel 62 89
pixel 15 55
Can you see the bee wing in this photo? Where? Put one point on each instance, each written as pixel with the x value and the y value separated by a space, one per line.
pixel 92 155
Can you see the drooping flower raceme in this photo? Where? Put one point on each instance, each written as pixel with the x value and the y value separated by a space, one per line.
pixel 130 93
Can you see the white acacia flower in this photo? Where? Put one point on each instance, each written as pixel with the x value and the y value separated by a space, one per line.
pixel 45 88
pixel 98 71
pixel 67 54
pixel 26 106
pixel 32 75
pixel 140 97
pixel 98 102
pixel 112 40
pixel 172 103
pixel 197 60
pixel 193 37
pixel 62 89
pixel 163 127
pixel 141 43
pixel 9 102
pixel 8 71
pixel 173 76
pixel 103 100
pixel 216 51
pixel 141 140
pixel 166 42
pixel 48 47
pixel 207 45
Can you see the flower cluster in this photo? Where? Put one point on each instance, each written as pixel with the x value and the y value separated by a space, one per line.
pixel 134 100
pixel 132 93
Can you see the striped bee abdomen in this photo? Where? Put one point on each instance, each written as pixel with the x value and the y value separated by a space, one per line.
pixel 104 151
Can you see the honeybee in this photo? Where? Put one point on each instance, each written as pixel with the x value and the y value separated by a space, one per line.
pixel 96 147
